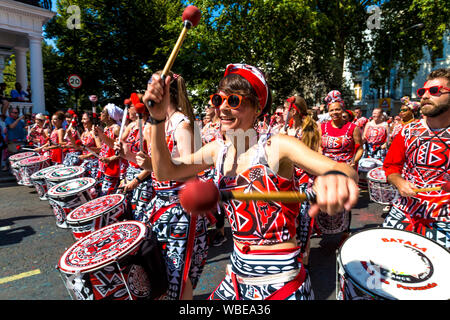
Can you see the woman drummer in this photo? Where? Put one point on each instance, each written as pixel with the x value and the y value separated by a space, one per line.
pixel 304 128
pixel 138 182
pixel 56 139
pixel 72 141
pixel 340 141
pixel 38 134
pixel 89 140
pixel 185 247
pixel 263 232
pixel 108 174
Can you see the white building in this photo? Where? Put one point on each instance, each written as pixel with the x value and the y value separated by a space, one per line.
pixel 21 31
pixel 367 98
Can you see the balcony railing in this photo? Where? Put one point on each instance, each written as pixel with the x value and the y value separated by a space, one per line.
pixel 46 4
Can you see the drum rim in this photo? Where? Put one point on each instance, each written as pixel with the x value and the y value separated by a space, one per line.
pixel 68 177
pixel 75 222
pixel 376 180
pixel 21 158
pixel 70 194
pixel 43 159
pixel 338 255
pixel 42 177
pixel 142 236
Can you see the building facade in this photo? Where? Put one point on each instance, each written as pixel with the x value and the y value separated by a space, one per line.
pixel 21 25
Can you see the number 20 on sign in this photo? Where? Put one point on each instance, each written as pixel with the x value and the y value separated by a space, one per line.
pixel 74 81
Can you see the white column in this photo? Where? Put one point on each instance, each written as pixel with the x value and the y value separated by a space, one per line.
pixel 21 66
pixel 37 74
pixel 2 67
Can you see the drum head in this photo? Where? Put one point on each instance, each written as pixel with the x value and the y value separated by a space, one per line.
pixel 64 173
pixel 94 208
pixel 395 264
pixel 70 187
pixel 377 175
pixel 23 155
pixel 32 161
pixel 102 247
pixel 369 163
pixel 41 173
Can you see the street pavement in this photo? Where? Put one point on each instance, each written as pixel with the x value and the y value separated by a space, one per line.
pixel 31 245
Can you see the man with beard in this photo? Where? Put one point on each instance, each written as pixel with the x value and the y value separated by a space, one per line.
pixel 422 148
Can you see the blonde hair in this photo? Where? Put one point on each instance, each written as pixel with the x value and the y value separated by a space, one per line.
pixel 179 97
pixel 310 129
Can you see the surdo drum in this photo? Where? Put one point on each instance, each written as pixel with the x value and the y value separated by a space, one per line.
pixel 117 262
pixel 364 166
pixel 30 165
pixel 96 214
pixel 38 180
pixel 13 162
pixel 380 190
pixel 391 264
pixel 63 174
pixel 67 196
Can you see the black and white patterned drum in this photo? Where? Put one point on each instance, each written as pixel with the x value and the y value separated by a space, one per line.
pixel 334 224
pixel 13 162
pixel 38 180
pixel 364 166
pixel 67 196
pixel 62 174
pixel 30 165
pixel 117 262
pixel 380 191
pixel 391 264
pixel 96 214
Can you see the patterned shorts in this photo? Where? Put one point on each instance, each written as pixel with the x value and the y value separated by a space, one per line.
pixel 71 159
pixel 141 195
pixel 439 231
pixel 253 266
pixel 91 167
pixel 184 241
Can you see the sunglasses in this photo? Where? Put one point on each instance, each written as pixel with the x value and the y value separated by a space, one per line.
pixel 234 100
pixel 404 109
pixel 434 91
pixel 279 113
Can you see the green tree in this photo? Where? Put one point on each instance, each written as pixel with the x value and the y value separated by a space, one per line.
pixel 400 40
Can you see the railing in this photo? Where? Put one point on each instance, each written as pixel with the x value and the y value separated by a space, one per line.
pixel 24 107
pixel 46 4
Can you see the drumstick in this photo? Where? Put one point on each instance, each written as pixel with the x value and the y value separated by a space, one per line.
pixel 445 187
pixel 122 125
pixel 73 123
pixel 202 196
pixel 191 17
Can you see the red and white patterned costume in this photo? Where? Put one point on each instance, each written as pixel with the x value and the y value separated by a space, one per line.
pixel 424 158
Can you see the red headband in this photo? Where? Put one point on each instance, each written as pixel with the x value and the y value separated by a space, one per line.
pixel 291 101
pixel 254 76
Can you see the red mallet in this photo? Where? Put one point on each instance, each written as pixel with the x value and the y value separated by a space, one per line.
pixel 191 17
pixel 445 187
pixel 200 196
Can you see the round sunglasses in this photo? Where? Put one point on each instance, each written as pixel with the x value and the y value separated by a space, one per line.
pixel 234 100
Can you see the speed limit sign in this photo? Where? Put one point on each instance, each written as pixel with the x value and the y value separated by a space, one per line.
pixel 74 81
